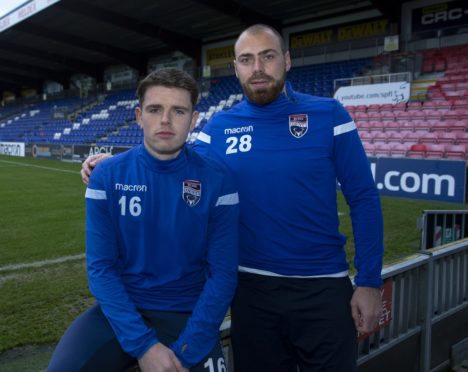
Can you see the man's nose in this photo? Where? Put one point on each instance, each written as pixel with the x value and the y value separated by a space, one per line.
pixel 166 117
pixel 258 64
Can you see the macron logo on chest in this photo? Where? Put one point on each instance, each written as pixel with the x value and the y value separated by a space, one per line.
pixel 124 187
pixel 244 129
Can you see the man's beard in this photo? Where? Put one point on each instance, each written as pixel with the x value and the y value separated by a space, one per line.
pixel 267 95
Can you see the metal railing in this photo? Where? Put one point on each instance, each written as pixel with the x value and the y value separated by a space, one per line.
pixel 426 289
pixel 372 79
pixel 442 226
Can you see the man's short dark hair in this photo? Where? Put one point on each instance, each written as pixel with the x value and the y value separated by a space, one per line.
pixel 259 28
pixel 169 78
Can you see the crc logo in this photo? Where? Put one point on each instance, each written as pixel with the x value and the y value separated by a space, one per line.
pixel 442 16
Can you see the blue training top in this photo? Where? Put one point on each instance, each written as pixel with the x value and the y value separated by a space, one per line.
pixel 286 158
pixel 162 235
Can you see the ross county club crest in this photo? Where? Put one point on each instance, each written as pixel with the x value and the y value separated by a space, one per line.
pixel 191 192
pixel 298 124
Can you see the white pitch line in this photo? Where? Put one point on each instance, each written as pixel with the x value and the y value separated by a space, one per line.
pixel 39 166
pixel 29 265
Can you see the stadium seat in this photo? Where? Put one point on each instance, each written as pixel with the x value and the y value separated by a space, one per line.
pixel 428 138
pixel 392 125
pixel 369 148
pixel 373 108
pixel 414 106
pixel 399 107
pixel 376 125
pixel 386 107
pixel 460 103
pixel 382 149
pixel 365 136
pixel 450 137
pixel 359 115
pixel 406 125
pixel 362 125
pixel 402 115
pixel 398 150
pixel 435 151
pixel 394 137
pixel 421 125
pixel 417 150
pixel 373 115
pixel 379 136
pixel 440 125
pixel 387 115
pixel 456 152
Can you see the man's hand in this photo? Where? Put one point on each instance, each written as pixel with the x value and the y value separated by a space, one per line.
pixel 366 307
pixel 89 164
pixel 160 358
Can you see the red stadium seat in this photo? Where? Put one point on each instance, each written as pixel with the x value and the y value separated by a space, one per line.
pixel 417 151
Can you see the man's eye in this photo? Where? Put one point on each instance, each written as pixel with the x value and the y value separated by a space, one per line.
pixel 180 112
pixel 269 57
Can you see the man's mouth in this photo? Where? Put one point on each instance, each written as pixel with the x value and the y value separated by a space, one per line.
pixel 259 83
pixel 165 134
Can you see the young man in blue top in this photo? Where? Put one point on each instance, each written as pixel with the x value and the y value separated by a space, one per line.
pixel 295 307
pixel 161 247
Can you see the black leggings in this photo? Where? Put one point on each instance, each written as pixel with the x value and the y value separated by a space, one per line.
pixel 89 344
pixel 288 324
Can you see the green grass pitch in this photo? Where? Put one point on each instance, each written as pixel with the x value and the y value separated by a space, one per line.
pixel 42 219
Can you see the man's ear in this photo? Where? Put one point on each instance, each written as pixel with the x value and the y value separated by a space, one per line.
pixel 194 119
pixel 138 116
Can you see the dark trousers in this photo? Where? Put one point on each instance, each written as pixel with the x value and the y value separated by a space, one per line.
pixel 90 345
pixel 288 324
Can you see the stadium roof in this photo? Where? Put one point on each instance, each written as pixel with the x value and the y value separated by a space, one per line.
pixel 73 36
